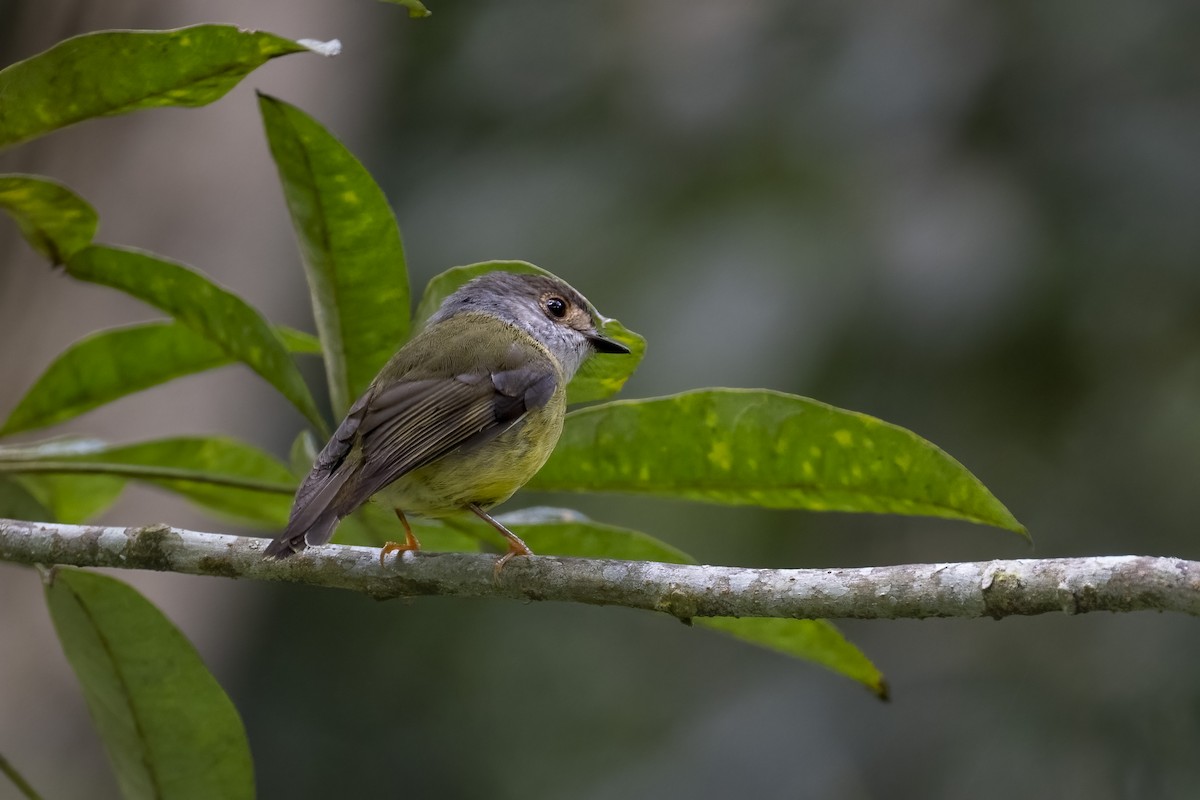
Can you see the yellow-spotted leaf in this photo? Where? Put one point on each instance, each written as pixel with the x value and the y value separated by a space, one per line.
pixel 54 220
pixel 170 731
pixel 208 309
pixel 351 247
pixel 757 447
pixel 601 376
pixel 115 72
pixel 298 342
pixel 605 374
pixel 114 363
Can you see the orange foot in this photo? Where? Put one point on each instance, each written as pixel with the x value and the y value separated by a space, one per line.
pixel 410 541
pixel 515 546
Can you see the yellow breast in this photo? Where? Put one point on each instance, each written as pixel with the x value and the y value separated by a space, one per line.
pixel 486 475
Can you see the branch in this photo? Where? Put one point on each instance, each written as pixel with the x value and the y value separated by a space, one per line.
pixel 916 591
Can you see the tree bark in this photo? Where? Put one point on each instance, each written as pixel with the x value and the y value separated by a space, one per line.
pixel 910 591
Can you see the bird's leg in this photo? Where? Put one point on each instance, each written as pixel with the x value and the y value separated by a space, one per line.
pixel 410 541
pixel 515 546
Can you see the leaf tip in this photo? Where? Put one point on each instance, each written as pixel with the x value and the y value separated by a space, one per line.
pixel 1004 519
pixel 48 574
pixel 416 9
pixel 331 48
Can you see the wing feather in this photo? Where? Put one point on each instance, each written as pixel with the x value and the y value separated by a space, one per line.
pixel 426 420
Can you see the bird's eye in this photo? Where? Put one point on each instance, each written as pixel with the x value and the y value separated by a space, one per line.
pixel 556 306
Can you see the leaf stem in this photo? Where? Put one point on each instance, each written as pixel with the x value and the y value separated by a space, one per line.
pixel 22 785
pixel 141 472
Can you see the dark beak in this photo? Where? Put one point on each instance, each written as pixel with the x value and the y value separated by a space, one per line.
pixel 602 344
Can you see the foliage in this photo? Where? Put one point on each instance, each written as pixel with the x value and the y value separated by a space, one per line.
pixel 736 447
pixel 169 729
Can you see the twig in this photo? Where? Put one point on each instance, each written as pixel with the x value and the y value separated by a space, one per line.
pixel 915 591
pixel 17 779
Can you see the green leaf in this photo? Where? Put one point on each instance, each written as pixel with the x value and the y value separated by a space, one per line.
pixel 564 532
pixel 815 640
pixel 604 374
pixel 18 780
pixel 115 72
pixel 601 376
pixel 171 732
pixel 221 474
pixel 416 10
pixel 757 447
pixel 200 304
pixel 303 454
pixel 110 364
pixel 70 497
pixel 114 363
pixel 547 531
pixel 444 284
pixel 73 499
pixel 54 220
pixel 16 502
pixel 351 246
pixel 298 342
pixel 374 524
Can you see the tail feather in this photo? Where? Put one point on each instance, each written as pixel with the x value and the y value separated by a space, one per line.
pixel 292 541
pixel 315 513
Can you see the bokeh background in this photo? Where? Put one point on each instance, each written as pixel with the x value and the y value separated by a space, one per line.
pixel 980 221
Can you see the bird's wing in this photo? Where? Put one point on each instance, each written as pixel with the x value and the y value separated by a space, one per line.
pixel 411 424
pixel 402 426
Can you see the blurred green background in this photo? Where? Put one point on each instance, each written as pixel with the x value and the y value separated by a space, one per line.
pixel 980 221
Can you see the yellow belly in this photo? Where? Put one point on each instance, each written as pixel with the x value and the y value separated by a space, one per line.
pixel 486 475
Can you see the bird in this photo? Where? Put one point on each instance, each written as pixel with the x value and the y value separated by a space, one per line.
pixel 460 417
